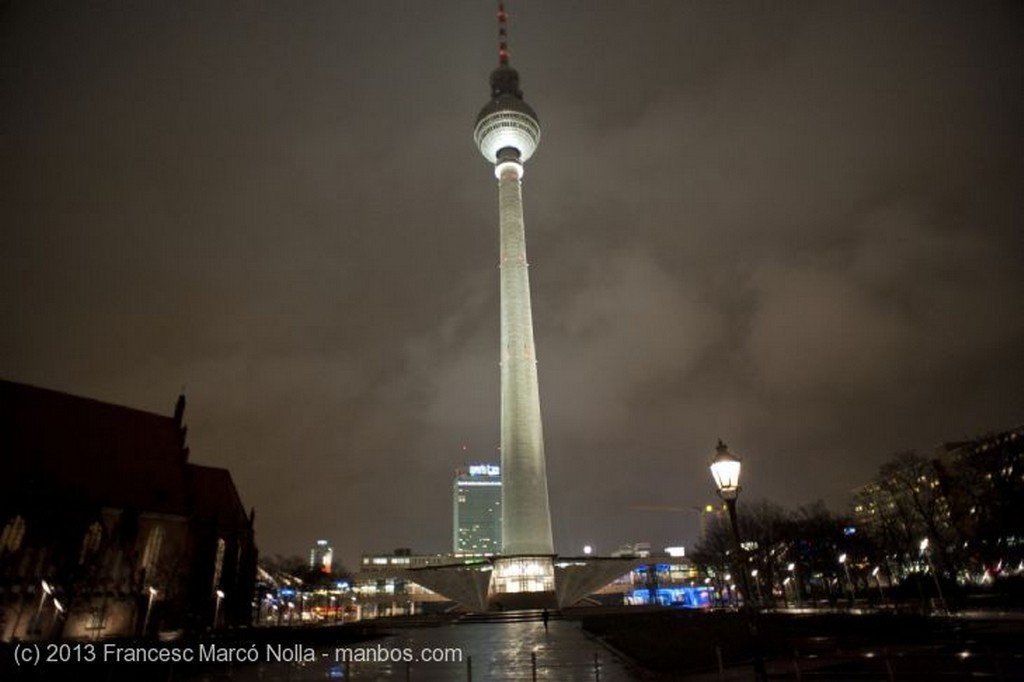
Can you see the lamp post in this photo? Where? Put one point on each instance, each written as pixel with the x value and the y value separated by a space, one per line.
pixel 878 581
pixel 725 469
pixel 935 576
pixel 796 582
pixel 757 584
pixel 849 582
pixel 149 609
pixel 216 609
pixel 46 592
pixel 58 611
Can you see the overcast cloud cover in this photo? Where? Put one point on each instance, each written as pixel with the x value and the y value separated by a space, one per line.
pixel 795 226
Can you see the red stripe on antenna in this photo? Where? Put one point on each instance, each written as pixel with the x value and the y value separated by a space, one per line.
pixel 502 45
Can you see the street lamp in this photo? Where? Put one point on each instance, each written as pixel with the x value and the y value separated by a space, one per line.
pixel 149 609
pixel 216 608
pixel 46 592
pixel 846 570
pixel 796 581
pixel 725 469
pixel 58 611
pixel 757 583
pixel 935 576
pixel 878 581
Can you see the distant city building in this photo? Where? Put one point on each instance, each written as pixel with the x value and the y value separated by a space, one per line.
pixel 965 502
pixel 476 510
pixel 983 481
pixel 635 549
pixel 383 587
pixel 321 556
pixel 107 530
pixel 401 558
pixel 667 581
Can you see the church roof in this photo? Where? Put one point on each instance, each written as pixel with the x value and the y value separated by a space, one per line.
pixel 67 450
pixel 214 496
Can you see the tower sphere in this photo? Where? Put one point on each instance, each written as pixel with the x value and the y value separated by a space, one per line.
pixel 506 122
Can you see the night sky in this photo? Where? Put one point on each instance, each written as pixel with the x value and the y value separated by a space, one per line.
pixel 796 226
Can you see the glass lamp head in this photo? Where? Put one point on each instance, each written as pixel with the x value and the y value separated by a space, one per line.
pixel 725 469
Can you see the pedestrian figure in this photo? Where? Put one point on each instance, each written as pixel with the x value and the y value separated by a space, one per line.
pixel 545 616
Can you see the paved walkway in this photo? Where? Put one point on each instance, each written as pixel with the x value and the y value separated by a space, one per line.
pixel 476 652
pixel 506 651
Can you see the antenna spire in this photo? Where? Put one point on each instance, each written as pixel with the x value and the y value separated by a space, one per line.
pixel 502 35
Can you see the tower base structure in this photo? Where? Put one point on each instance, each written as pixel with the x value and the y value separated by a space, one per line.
pixel 511 583
pixel 522 582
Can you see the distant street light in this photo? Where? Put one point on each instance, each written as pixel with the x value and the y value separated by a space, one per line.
pixel 216 608
pixel 935 576
pixel 149 609
pixel 58 611
pixel 757 584
pixel 587 549
pixel 878 581
pixel 46 592
pixel 796 581
pixel 725 469
pixel 846 570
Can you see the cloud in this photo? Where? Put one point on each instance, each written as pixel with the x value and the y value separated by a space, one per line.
pixel 794 227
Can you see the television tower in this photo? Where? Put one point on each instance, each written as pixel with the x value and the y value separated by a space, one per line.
pixel 507 133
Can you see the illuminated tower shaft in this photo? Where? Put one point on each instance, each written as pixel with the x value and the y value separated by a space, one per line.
pixel 526 519
pixel 507 133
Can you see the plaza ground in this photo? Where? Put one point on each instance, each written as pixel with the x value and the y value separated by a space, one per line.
pixel 611 645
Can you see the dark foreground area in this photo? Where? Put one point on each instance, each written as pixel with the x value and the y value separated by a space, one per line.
pixel 657 644
pixel 207 658
pixel 676 644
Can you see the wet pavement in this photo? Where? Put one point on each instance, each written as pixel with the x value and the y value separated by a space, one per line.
pixel 467 651
pixel 477 652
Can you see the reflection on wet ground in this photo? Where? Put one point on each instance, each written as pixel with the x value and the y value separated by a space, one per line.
pixel 476 651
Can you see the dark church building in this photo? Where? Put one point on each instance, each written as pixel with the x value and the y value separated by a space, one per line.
pixel 108 530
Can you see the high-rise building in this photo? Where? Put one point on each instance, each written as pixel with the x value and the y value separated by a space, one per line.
pixel 476 509
pixel 321 557
pixel 507 134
